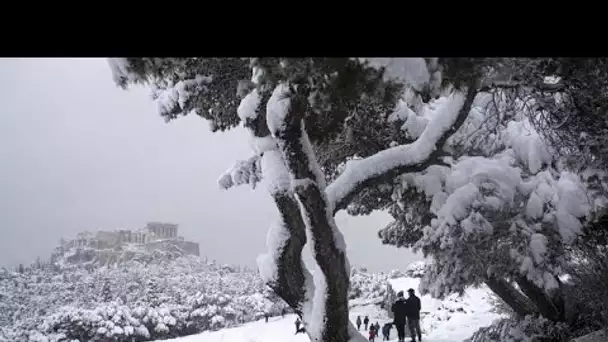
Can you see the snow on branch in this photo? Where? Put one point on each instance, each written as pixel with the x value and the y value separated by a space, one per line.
pixel 243 172
pixel 413 157
pixel 120 70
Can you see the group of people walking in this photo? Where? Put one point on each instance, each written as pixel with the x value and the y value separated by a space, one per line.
pixel 404 311
pixel 374 329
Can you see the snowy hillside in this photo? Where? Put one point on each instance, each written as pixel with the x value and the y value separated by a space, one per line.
pixel 145 297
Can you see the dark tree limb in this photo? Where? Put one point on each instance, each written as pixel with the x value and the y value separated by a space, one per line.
pixel 547 307
pixel 517 301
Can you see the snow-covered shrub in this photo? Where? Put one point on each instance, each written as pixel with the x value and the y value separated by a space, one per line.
pixel 395 274
pixel 530 329
pixel 415 269
pixel 367 288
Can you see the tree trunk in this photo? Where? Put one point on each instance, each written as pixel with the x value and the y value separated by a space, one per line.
pixel 518 302
pixel 550 308
pixel 315 210
pixel 292 274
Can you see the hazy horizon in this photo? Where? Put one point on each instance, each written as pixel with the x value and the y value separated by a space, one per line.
pixel 81 154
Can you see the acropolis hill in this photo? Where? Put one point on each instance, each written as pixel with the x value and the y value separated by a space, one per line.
pixel 153 236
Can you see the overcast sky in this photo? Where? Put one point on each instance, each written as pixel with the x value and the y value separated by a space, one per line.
pixel 80 154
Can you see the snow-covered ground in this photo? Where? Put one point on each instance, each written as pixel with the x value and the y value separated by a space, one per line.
pixel 277 329
pixel 453 319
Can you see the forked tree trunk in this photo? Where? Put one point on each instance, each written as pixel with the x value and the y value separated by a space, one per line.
pixel 315 209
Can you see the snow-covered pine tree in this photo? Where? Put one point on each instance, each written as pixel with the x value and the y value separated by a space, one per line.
pixel 369 134
pixel 151 292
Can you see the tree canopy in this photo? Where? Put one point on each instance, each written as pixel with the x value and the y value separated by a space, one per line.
pixel 484 164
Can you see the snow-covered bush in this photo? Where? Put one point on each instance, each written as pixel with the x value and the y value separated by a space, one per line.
pixel 415 269
pixel 530 329
pixel 367 288
pixel 395 274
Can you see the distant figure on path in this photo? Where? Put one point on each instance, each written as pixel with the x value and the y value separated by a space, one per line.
pixel 283 312
pixel 377 327
pixel 372 333
pixel 399 314
pixel 386 331
pixel 358 322
pixel 266 316
pixel 298 323
pixel 413 315
pixel 366 322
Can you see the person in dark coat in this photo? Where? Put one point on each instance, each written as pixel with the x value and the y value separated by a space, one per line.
pixel 377 327
pixel 366 322
pixel 386 331
pixel 399 315
pixel 266 317
pixel 413 315
pixel 298 322
pixel 358 322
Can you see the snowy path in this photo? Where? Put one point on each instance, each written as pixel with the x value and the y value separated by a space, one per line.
pixel 282 329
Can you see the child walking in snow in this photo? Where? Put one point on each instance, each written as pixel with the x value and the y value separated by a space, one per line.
pixel 372 333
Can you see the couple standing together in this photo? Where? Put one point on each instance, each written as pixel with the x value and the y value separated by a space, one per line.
pixel 407 308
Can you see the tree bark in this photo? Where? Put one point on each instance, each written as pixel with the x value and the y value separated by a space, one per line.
pixel 518 302
pixel 290 283
pixel 550 308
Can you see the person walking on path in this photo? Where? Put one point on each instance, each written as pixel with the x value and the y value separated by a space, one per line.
pixel 366 322
pixel 377 326
pixel 413 315
pixel 372 333
pixel 358 322
pixel 399 315
pixel 386 331
pixel 298 322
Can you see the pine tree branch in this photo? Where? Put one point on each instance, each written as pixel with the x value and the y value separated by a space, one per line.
pixel 343 191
